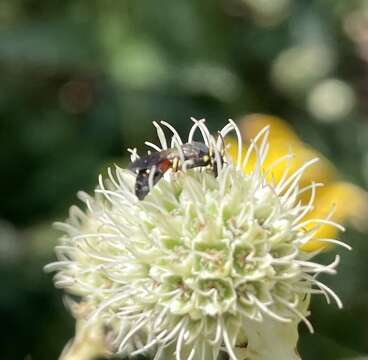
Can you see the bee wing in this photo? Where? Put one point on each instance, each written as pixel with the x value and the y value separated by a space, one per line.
pixel 147 162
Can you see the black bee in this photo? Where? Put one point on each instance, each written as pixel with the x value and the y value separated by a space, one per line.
pixel 196 154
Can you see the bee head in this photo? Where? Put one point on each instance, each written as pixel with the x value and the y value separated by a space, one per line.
pixel 198 154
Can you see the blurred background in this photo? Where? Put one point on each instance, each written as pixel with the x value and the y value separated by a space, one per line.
pixel 80 81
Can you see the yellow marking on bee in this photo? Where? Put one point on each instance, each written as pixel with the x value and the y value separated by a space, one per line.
pixel 175 163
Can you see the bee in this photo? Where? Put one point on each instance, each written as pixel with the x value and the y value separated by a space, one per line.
pixel 152 168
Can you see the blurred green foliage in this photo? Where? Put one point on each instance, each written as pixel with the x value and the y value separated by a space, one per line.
pixel 81 81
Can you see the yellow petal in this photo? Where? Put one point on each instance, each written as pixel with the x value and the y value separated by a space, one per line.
pixel 349 200
pixel 322 171
pixel 251 125
pixel 283 141
pixel 350 203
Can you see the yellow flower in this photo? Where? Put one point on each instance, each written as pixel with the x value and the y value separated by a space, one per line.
pixel 337 200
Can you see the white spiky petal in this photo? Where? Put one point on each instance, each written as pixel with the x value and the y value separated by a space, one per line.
pixel 203 265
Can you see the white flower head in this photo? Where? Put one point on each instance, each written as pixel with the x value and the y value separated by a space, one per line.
pixel 203 263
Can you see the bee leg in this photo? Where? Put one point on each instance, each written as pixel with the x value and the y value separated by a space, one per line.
pixel 141 184
pixel 175 164
pixel 142 187
pixel 215 169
